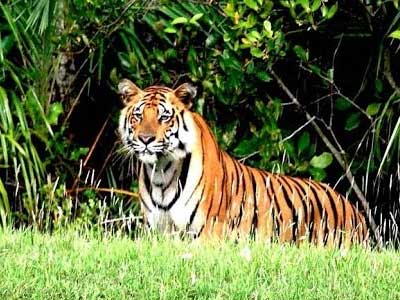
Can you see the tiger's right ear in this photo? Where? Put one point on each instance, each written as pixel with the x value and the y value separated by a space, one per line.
pixel 129 91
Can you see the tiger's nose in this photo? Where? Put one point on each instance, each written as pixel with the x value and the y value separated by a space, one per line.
pixel 146 138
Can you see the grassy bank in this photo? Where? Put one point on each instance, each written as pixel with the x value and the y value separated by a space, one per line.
pixel 69 265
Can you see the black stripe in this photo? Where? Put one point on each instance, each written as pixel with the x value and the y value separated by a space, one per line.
pixel 200 231
pixel 157 89
pixel 163 106
pixel 302 195
pixel 145 205
pixel 338 219
pixel 254 222
pixel 236 176
pixel 290 205
pixel 323 212
pixel 341 231
pixel 274 203
pixel 332 204
pixel 202 174
pixel 168 184
pixel 183 120
pixel 318 208
pixel 353 217
pixel 183 175
pixel 169 164
pixel 307 201
pixel 239 218
pixel 148 186
pixel 223 193
pixel 192 215
pixel 138 107
pixel 147 182
pixel 181 146
pixel 185 169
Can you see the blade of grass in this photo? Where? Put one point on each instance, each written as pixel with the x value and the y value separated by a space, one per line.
pixel 395 135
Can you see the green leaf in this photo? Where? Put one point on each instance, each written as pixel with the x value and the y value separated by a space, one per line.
pixel 316 4
pixel 395 34
pixel 268 29
pixel 195 18
pixel 253 36
pixel 304 3
pixel 179 20
pixel 170 30
pixel 352 122
pixel 301 53
pixel 304 142
pixel 56 109
pixel 318 174
pixel 342 104
pixel 211 40
pixel 252 4
pixel 77 153
pixel 247 147
pixel 322 161
pixel 379 86
pixel 289 147
pixel 324 11
pixel 315 69
pixel 250 22
pixel 330 74
pixel 373 108
pixel 285 4
pixel 332 11
pixel 264 76
pixel 256 52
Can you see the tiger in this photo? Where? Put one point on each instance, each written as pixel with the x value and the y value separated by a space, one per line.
pixel 188 184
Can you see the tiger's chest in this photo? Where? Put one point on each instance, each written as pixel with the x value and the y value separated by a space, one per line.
pixel 162 197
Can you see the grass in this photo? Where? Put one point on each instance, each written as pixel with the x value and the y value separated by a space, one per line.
pixel 69 265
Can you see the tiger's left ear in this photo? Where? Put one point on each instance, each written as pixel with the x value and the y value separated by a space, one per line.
pixel 128 91
pixel 186 93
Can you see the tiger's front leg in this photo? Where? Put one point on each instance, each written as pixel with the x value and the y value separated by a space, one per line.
pixel 159 220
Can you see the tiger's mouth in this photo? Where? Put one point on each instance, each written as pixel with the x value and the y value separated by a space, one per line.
pixel 149 152
pixel 152 152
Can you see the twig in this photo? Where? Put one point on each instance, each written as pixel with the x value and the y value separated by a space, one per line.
pixel 106 161
pixel 104 190
pixel 75 103
pixel 338 157
pixel 298 129
pixel 122 219
pixel 94 144
pixel 242 160
pixel 388 73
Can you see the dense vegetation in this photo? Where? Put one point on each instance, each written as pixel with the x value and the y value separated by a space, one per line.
pixel 303 87
pixel 67 265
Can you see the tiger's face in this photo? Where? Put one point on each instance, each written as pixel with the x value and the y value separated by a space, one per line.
pixel 152 120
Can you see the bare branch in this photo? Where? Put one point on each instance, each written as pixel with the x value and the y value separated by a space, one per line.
pixel 298 129
pixel 338 156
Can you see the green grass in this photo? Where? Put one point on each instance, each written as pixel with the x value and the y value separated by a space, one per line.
pixel 69 265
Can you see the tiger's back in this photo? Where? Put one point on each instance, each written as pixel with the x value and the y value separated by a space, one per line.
pixel 187 183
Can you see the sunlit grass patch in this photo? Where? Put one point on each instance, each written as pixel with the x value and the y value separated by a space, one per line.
pixel 68 265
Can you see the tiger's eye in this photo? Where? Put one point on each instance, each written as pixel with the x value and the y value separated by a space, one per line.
pixel 165 117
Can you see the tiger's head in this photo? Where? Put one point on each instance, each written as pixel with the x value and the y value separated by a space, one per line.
pixel 152 124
